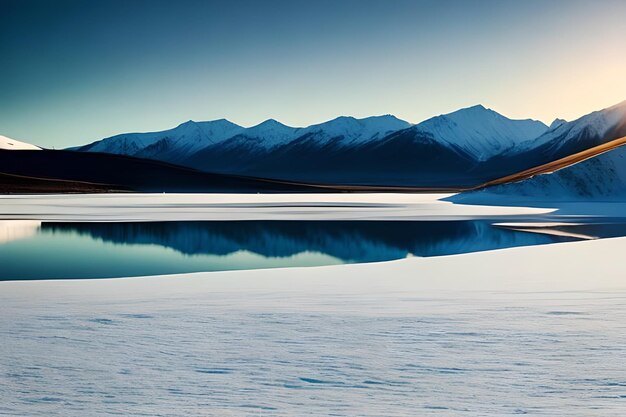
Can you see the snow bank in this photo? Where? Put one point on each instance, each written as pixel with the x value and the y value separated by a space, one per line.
pixel 163 207
pixel 12 144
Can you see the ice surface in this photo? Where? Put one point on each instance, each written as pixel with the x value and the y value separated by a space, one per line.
pixel 537 331
pixel 163 207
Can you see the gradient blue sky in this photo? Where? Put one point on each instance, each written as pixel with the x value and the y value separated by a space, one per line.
pixel 76 71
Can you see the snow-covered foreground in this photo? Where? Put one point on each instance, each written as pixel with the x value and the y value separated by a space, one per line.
pixel 163 207
pixel 534 330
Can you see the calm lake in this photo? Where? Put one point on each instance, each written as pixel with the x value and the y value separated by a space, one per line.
pixel 59 250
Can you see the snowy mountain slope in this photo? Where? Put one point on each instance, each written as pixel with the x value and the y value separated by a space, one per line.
pixel 401 158
pixel 278 146
pixel 556 123
pixel 565 139
pixel 12 144
pixel 350 131
pixel 268 134
pixel 237 152
pixel 189 138
pixel 184 139
pixel 476 130
pixel 272 134
pixel 481 132
pixel 600 178
pixel 590 130
pixel 463 148
pixel 379 150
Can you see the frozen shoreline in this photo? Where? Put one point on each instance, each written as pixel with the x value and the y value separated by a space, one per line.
pixel 163 207
pixel 532 330
pixel 573 267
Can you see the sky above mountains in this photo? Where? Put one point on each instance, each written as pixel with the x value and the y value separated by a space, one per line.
pixel 76 71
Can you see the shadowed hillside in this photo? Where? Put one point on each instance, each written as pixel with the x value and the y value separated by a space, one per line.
pixel 62 171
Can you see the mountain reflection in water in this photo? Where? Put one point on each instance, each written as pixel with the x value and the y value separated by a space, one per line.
pixel 350 241
pixel 96 250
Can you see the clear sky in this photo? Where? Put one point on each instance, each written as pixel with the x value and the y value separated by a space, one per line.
pixel 76 71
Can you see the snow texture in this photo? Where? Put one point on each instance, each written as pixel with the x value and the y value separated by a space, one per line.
pixel 12 144
pixel 481 132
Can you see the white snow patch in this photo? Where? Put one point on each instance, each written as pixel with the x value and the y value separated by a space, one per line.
pixel 144 207
pixel 12 144
pixel 480 131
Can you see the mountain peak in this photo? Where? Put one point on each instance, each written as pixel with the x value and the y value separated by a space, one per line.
pixel 271 133
pixel 339 118
pixel 349 130
pixel 386 118
pixel 223 123
pixel 557 122
pixel 480 131
pixel 217 122
pixel 271 123
pixel 223 120
pixel 186 126
pixel 477 110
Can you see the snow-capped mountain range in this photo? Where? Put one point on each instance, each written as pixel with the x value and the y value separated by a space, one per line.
pixel 602 177
pixel 461 149
pixel 479 131
pixel 191 136
pixel 372 150
pixel 183 140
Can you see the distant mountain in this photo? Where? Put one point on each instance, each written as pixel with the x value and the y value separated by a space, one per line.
pixel 168 145
pixel 308 155
pixel 12 144
pixel 349 131
pixel 481 132
pixel 464 148
pixel 441 152
pixel 381 150
pixel 190 137
pixel 400 158
pixel 556 123
pixel 564 138
pixel 266 135
pixel 602 177
pixel 234 153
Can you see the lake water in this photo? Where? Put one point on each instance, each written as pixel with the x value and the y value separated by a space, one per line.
pixel 539 331
pixel 57 250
